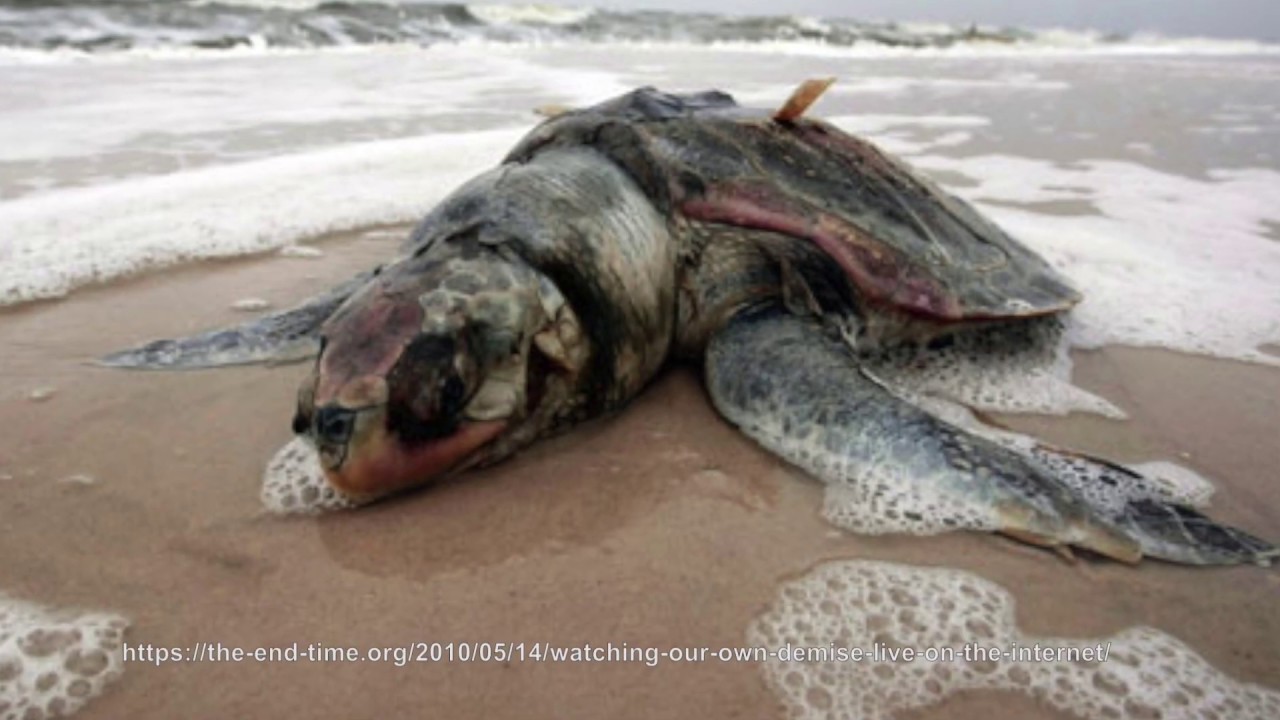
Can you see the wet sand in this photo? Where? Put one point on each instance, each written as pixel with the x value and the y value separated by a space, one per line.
pixel 659 527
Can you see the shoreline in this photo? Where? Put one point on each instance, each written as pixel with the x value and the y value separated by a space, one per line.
pixel 661 526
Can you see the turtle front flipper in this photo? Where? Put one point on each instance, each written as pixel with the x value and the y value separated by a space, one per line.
pixel 894 467
pixel 287 336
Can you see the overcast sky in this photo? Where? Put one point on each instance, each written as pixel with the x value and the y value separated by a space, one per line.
pixel 1258 19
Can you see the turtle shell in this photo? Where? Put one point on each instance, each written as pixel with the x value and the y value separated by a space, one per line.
pixel 903 241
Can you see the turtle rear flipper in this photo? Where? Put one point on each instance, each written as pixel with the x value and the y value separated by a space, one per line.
pixel 1161 519
pixel 287 336
pixel 894 467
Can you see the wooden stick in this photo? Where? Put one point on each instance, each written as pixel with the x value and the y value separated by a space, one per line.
pixel 801 98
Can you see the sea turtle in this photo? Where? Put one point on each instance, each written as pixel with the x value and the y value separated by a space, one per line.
pixel 774 249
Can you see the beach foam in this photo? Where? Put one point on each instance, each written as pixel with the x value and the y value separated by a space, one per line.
pixel 1186 485
pixel 857 604
pixel 52 662
pixel 1170 261
pixel 294 484
pixel 1025 368
pixel 56 241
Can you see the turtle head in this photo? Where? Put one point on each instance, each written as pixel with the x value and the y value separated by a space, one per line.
pixel 422 372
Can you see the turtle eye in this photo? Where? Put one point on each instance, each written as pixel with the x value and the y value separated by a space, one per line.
pixel 334 424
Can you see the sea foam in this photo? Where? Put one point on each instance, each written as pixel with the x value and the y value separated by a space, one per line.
pixel 52 662
pixel 1170 261
pixel 862 604
pixel 294 484
pixel 56 241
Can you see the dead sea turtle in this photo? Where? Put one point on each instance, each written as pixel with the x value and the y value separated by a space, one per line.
pixel 774 249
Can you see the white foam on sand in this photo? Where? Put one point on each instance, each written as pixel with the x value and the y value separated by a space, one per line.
pixel 52 662
pixel 56 241
pixel 294 484
pixel 986 373
pixel 251 304
pixel 301 251
pixel 113 164
pixel 863 604
pixel 1189 486
pixel 1170 261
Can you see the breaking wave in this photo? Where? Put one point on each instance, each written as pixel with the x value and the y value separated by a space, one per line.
pixel 103 26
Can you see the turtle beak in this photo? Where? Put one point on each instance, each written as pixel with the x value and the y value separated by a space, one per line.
pixel 363 459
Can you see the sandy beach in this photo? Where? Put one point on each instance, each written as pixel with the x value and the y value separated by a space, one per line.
pixel 659 527
pixel 138 493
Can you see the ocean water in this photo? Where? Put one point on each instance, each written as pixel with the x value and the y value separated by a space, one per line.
pixel 1118 167
pixel 143 136
pixel 110 25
